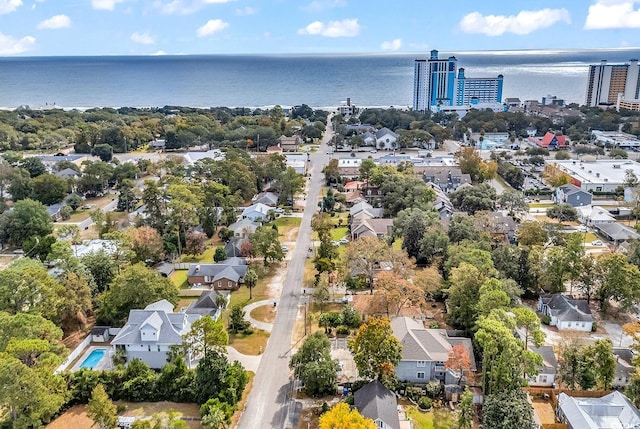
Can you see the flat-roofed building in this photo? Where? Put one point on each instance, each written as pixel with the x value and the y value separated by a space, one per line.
pixel 600 176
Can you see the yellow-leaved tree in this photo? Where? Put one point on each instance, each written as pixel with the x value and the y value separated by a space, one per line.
pixel 341 417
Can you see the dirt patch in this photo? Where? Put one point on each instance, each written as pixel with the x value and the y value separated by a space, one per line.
pixel 312 409
pixel 544 410
pixel 292 234
pixel 74 417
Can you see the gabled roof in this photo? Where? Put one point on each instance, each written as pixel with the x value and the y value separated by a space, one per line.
pixel 376 402
pixel 206 304
pixel 383 131
pixel 268 198
pixel 68 172
pixel 568 309
pixel 550 138
pixel 617 232
pixel 419 343
pixel 570 189
pixel 170 326
pixel 242 224
pixel 612 411
pixel 230 270
pixel 234 246
pixel 624 362
pixel 375 226
pixel 549 361
pixel 259 208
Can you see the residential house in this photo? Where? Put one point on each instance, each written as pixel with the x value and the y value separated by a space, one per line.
pixel 369 138
pixel 573 195
pixel 364 207
pixel 290 144
pixel 531 131
pixel 616 233
pixel 243 228
pixel 550 141
pixel 225 275
pixel 157 144
pixel 624 367
pixel 190 158
pixel 448 178
pixel 353 186
pixel 149 334
pixel 425 351
pixel 566 313
pixel 512 102
pixel 594 215
pixel 441 203
pixel 234 247
pixel 207 304
pixel 257 212
pixel 610 411
pixel 386 139
pixel 546 376
pixel 110 247
pixel 376 402
pixel 373 195
pixel 266 198
pixel 68 173
pixel 498 225
pixel 54 211
pixel 378 228
pixel 165 269
pixel 297 161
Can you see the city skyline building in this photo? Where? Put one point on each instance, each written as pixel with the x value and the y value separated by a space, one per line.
pixel 613 84
pixel 439 85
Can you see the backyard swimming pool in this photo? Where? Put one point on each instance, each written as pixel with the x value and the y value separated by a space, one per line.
pixel 94 357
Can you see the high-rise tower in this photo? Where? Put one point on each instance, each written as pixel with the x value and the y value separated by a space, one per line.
pixel 608 83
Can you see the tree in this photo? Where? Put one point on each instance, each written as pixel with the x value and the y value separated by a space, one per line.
pixel 321 294
pixel 466 412
pixel 506 410
pixel 364 255
pixel 313 365
pixel 220 255
pixel 603 362
pixel 266 244
pixel 616 280
pixel 411 225
pixel 216 378
pixel 514 201
pixel 532 233
pixel 288 184
pixel 206 336
pixel 102 268
pixel 428 280
pixel 28 218
pixel 471 163
pixel 459 361
pixel 146 243
pixel 563 212
pixel 196 243
pixel 396 291
pixel 464 293
pixel 472 199
pixel 237 322
pixel 462 228
pixel 75 303
pixel 342 417
pixel 101 410
pixel 134 288
pixel 103 151
pixel 528 321
pixel 375 350
pixel 48 189
pixel 34 166
pixel 20 186
pixel 250 279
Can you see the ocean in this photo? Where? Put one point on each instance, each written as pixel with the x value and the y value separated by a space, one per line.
pixel 321 81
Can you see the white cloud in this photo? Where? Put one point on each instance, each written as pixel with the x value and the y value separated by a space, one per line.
pixel 10 45
pixel 105 4
pixel 525 22
pixel 159 53
pixel 321 5
pixel 143 38
pixel 55 22
pixel 246 11
pixel 183 7
pixel 613 14
pixel 8 6
pixel 212 26
pixel 344 28
pixel 393 45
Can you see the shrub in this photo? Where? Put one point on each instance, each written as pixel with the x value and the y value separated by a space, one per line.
pixel 594 327
pixel 425 403
pixel 433 388
pixel 342 330
pixel 350 400
pixel 546 319
pixel 434 325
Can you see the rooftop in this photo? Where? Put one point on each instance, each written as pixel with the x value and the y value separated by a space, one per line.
pixel 600 171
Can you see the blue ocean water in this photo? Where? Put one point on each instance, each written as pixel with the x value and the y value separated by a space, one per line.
pixel 266 80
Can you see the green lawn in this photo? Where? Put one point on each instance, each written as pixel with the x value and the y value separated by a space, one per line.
pixel 265 274
pixel 252 344
pixel 423 420
pixel 286 224
pixel 540 206
pixel 179 278
pixel 338 233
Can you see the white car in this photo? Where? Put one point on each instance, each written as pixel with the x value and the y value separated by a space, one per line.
pixel 285 249
pixel 344 240
pixel 335 243
pixel 596 243
pixel 583 228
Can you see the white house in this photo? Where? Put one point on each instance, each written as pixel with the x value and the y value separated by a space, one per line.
pixel 150 333
pixel 611 411
pixel 566 312
pixel 257 212
pixel 243 228
pixel 546 376
pixel 593 215
pixel 386 139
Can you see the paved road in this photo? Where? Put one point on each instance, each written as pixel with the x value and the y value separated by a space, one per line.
pixel 268 402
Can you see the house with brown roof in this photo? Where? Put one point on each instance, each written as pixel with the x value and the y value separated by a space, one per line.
pixel 425 351
pixel 290 144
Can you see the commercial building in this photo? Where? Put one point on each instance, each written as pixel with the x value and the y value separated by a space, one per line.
pixel 616 139
pixel 599 176
pixel 438 85
pixel 612 84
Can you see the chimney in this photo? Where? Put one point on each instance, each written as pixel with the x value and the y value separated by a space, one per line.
pixel 198 268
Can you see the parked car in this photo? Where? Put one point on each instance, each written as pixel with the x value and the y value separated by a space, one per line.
pixel 344 240
pixel 596 243
pixel 583 228
pixel 335 243
pixel 373 151
pixel 285 249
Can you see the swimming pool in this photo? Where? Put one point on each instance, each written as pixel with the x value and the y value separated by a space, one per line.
pixel 94 357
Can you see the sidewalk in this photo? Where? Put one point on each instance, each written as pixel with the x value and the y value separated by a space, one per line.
pixel 256 323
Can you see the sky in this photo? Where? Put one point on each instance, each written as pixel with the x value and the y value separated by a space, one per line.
pixel 178 27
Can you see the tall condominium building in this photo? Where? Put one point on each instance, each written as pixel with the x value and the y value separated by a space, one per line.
pixel 609 84
pixel 438 85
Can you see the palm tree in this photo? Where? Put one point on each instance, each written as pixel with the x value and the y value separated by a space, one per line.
pixel 250 279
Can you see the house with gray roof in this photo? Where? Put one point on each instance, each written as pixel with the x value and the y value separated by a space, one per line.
pixel 447 177
pixel 234 247
pixel 612 411
pixel 266 198
pixel 425 351
pixel 67 173
pixel 616 233
pixel 546 376
pixel 257 212
pixel 365 207
pixel 566 313
pixel 149 334
pixel 377 228
pixel 207 304
pixel 624 367
pixel 243 228
pixel 225 275
pixel 386 139
pixel 376 402
pixel 573 195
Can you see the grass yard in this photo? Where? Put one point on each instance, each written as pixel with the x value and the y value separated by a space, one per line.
pixel 260 291
pixel 286 225
pixel 338 233
pixel 266 314
pixel 422 420
pixel 179 278
pixel 251 344
pixel 540 206
pixel 184 303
